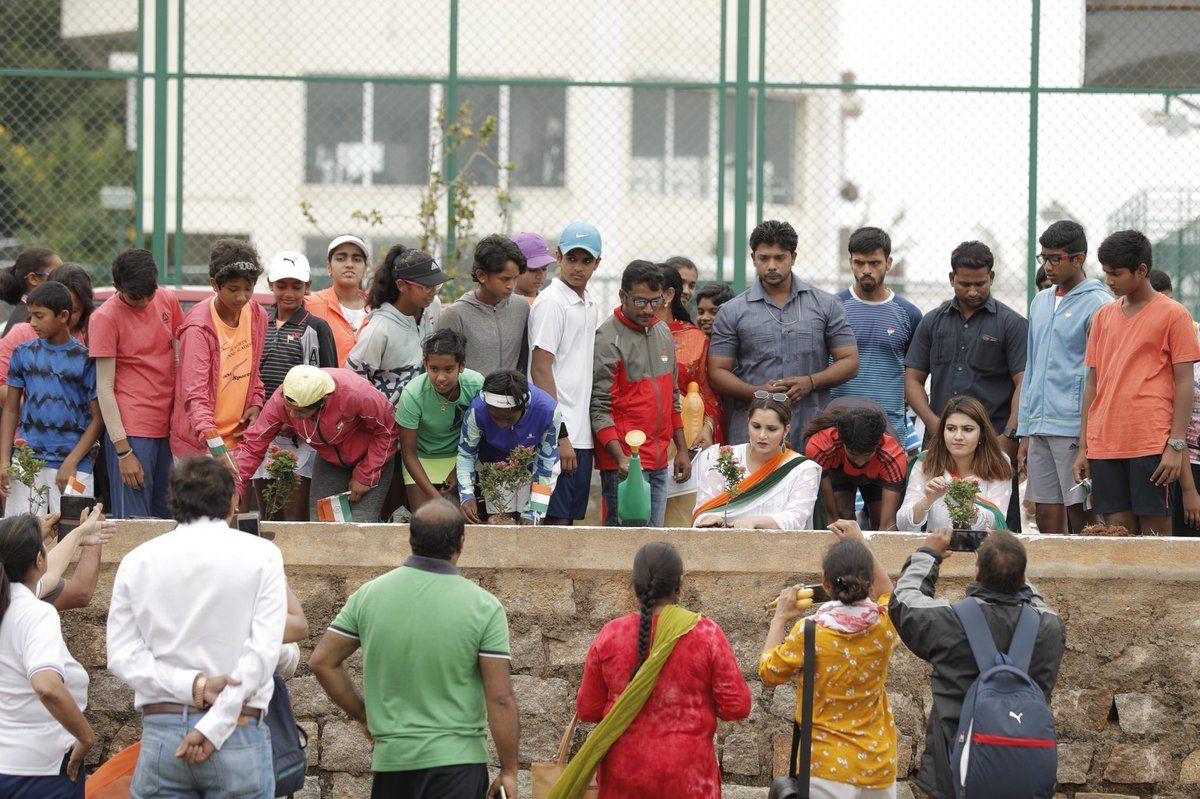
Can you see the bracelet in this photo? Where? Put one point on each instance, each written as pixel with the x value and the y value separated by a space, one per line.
pixel 123 455
pixel 198 687
pixel 813 381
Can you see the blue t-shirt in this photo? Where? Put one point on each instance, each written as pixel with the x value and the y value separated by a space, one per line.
pixel 883 331
pixel 59 384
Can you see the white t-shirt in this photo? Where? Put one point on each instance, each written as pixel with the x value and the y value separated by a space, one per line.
pixel 564 324
pixel 354 317
pixel 32 743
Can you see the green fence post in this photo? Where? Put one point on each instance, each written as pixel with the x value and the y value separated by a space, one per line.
pixel 741 142
pixel 721 146
pixel 1032 233
pixel 760 107
pixel 179 151
pixel 139 189
pixel 450 158
pixel 159 234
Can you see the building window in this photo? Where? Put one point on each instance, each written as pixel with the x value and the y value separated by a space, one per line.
pixel 531 133
pixel 781 119
pixel 670 142
pixel 366 133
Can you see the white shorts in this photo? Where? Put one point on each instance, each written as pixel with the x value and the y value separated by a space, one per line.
pixel 18 496
pixel 828 789
pixel 305 455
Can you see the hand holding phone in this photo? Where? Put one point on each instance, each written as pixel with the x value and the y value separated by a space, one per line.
pixel 967 540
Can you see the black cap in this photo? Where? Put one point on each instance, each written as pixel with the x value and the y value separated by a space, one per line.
pixel 423 272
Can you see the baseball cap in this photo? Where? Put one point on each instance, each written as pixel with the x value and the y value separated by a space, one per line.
pixel 533 246
pixel 355 240
pixel 307 385
pixel 580 236
pixel 289 265
pixel 424 271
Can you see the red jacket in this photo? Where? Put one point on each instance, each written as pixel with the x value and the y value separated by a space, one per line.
pixel 355 429
pixel 633 388
pixel 199 374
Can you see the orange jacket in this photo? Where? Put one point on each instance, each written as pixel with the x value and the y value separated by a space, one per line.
pixel 324 304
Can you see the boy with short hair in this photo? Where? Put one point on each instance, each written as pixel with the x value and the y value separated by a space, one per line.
pixel 1048 424
pixel 1138 394
pixel 634 388
pixel 132 338
pixel 52 386
pixel 219 390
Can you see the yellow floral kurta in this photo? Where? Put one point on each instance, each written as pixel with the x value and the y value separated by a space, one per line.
pixel 854 736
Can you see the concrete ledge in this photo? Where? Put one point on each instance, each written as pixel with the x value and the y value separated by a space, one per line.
pixel 383 546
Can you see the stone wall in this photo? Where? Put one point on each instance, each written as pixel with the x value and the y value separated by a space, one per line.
pixel 1126 703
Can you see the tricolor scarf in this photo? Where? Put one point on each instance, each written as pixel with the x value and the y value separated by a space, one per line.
pixel 998 517
pixel 751 488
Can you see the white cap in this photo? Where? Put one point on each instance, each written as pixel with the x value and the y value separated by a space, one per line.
pixel 355 240
pixel 289 265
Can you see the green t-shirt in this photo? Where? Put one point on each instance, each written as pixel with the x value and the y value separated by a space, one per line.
pixel 423 628
pixel 421 409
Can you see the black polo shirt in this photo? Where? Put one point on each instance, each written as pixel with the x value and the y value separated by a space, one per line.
pixel 977 356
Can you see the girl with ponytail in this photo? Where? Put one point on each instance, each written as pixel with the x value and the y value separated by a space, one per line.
pixel 657 681
pixel 44 737
pixel 30 270
pixel 691 355
pixel 854 642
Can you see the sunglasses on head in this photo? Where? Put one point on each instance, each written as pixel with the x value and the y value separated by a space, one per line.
pixel 770 395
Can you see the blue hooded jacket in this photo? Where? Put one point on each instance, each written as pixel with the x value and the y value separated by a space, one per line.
pixel 1052 391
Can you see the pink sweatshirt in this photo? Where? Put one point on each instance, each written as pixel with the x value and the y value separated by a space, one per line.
pixel 356 429
pixel 199 373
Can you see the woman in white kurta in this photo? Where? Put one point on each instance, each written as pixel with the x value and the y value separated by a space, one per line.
pixel 778 487
pixel 964 446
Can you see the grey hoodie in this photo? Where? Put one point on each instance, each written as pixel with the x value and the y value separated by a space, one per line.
pixel 388 352
pixel 496 336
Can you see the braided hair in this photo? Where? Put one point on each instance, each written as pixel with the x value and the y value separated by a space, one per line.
pixel 657 575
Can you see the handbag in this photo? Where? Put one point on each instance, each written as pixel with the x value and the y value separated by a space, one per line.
pixel 793 786
pixel 546 774
pixel 289 742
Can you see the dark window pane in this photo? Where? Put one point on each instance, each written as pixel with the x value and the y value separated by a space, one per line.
pixel 315 248
pixel 779 149
pixel 402 127
pixel 692 123
pixel 649 123
pixel 537 135
pixel 332 117
pixel 484 102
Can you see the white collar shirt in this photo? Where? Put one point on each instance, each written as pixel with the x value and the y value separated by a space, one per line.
pixel 564 324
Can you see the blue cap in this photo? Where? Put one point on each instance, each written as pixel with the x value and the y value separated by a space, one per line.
pixel 580 236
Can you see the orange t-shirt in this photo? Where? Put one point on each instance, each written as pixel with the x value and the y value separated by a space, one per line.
pixel 1135 381
pixel 237 354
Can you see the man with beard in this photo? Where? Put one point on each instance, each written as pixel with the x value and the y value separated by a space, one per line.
pixel 781 336
pixel 974 345
pixel 884 324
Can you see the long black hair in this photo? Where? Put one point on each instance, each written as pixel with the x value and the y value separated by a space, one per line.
pixel 383 284
pixel 12 278
pixel 79 283
pixel 672 280
pixel 511 384
pixel 849 569
pixel 657 575
pixel 20 545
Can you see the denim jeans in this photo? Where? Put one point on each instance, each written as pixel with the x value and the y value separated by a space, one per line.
pixel 242 767
pixel 610 479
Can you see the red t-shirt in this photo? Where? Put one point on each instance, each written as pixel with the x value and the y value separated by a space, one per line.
pixel 887 467
pixel 143 342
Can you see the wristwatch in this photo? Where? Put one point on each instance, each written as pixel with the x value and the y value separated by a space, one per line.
pixel 1010 433
pixel 1177 444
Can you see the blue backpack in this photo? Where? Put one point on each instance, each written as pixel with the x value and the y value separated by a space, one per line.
pixel 1005 747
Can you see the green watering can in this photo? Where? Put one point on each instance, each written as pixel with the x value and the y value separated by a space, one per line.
pixel 633 494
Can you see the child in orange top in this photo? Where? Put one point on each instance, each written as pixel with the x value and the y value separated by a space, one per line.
pixel 854 736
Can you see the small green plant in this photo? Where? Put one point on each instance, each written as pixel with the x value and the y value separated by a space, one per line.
pixel 498 481
pixel 281 480
pixel 732 472
pixel 24 469
pixel 960 502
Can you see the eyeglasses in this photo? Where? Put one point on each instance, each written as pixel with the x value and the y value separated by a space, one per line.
pixel 42 275
pixel 646 302
pixel 1055 258
pixel 771 395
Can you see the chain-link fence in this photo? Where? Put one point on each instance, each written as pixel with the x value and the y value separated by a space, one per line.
pixel 673 126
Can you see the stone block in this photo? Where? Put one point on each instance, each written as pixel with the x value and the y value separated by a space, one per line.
pixel 536 695
pixel 732 791
pixel 1139 714
pixel 528 650
pixel 344 748
pixel 608 599
pixel 350 786
pixel 309 699
pixel 783 702
pixel 88 646
pixel 1137 765
pixel 904 756
pixel 1105 796
pixel 311 789
pixel 536 595
pixel 1081 710
pixel 1189 774
pixel 107 692
pixel 904 791
pixel 569 651
pixel 1074 762
pixel 907 712
pixel 313 747
pixel 739 754
pixel 540 737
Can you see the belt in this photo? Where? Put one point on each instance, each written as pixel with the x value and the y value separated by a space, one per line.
pixel 165 708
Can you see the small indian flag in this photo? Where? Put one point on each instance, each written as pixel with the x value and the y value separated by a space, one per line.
pixel 539 499
pixel 74 488
pixel 335 508
pixel 217 448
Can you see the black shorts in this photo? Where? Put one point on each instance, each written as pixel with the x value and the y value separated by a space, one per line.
pixel 871 490
pixel 1123 484
pixel 444 782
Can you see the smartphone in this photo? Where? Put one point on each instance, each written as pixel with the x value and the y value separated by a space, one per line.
pixel 819 594
pixel 72 510
pixel 966 540
pixel 248 523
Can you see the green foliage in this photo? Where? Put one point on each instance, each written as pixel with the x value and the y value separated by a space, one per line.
pixel 498 480
pixel 281 480
pixel 24 469
pixel 960 502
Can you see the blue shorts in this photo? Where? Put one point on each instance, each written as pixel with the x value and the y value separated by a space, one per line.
pixel 53 787
pixel 570 498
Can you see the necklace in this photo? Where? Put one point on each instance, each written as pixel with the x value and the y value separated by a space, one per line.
pixel 780 321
